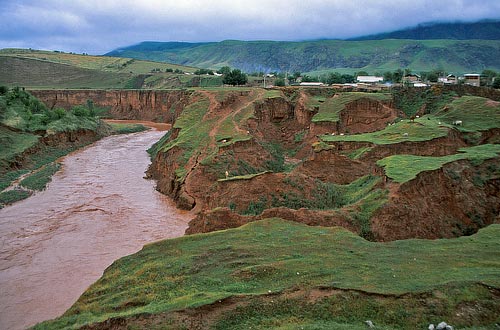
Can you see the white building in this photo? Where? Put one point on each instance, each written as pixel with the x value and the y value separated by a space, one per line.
pixel 472 79
pixel 316 84
pixel 369 79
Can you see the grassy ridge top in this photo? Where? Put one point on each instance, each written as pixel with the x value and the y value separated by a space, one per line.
pixel 274 255
pixel 403 168
pixel 460 56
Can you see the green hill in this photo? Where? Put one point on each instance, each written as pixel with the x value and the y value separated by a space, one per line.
pixel 46 69
pixel 459 56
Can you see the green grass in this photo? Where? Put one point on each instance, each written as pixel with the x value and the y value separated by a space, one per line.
pixel 330 108
pixel 12 196
pixel 13 143
pixel 403 168
pixel 476 113
pixel 229 132
pixel 40 179
pixel 7 178
pixel 242 177
pixel 274 255
pixel 423 129
pixel 357 153
pixel 124 128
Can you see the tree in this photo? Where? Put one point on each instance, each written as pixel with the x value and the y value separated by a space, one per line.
pixel 362 73
pixel 397 76
pixel 489 76
pixel 224 70
pixel 235 77
pixel 280 82
pixel 388 76
pixel 432 76
pixel 293 78
pixel 337 78
pixel 306 78
pixel 200 72
pixel 496 83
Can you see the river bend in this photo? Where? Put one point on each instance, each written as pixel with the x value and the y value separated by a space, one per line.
pixel 97 209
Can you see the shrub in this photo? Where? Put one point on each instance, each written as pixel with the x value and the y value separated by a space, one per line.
pixel 80 111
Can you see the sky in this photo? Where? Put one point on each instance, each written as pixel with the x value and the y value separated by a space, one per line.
pixel 99 26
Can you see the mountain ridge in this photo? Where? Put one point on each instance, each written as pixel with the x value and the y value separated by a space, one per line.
pixel 483 30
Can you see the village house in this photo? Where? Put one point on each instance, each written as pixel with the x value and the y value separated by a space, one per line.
pixel 411 78
pixel 472 79
pixel 450 79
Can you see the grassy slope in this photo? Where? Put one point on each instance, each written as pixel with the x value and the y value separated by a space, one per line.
pixel 458 56
pixel 476 113
pixel 44 69
pixel 272 256
pixel 43 74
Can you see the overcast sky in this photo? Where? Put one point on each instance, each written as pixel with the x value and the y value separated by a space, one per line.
pixel 99 26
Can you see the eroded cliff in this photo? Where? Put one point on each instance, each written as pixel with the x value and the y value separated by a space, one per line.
pixel 152 105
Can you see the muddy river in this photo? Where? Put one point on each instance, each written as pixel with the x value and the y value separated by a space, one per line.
pixel 97 209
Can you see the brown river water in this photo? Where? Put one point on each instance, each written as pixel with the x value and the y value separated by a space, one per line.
pixel 97 209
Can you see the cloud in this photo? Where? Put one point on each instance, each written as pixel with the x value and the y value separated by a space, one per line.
pixel 99 26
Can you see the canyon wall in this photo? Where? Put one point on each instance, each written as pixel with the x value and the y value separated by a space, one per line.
pixel 153 105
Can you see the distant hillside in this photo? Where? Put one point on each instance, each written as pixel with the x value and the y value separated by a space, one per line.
pixel 457 56
pixel 46 69
pixel 484 30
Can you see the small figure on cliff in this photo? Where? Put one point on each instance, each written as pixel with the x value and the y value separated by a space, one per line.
pixel 227 174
